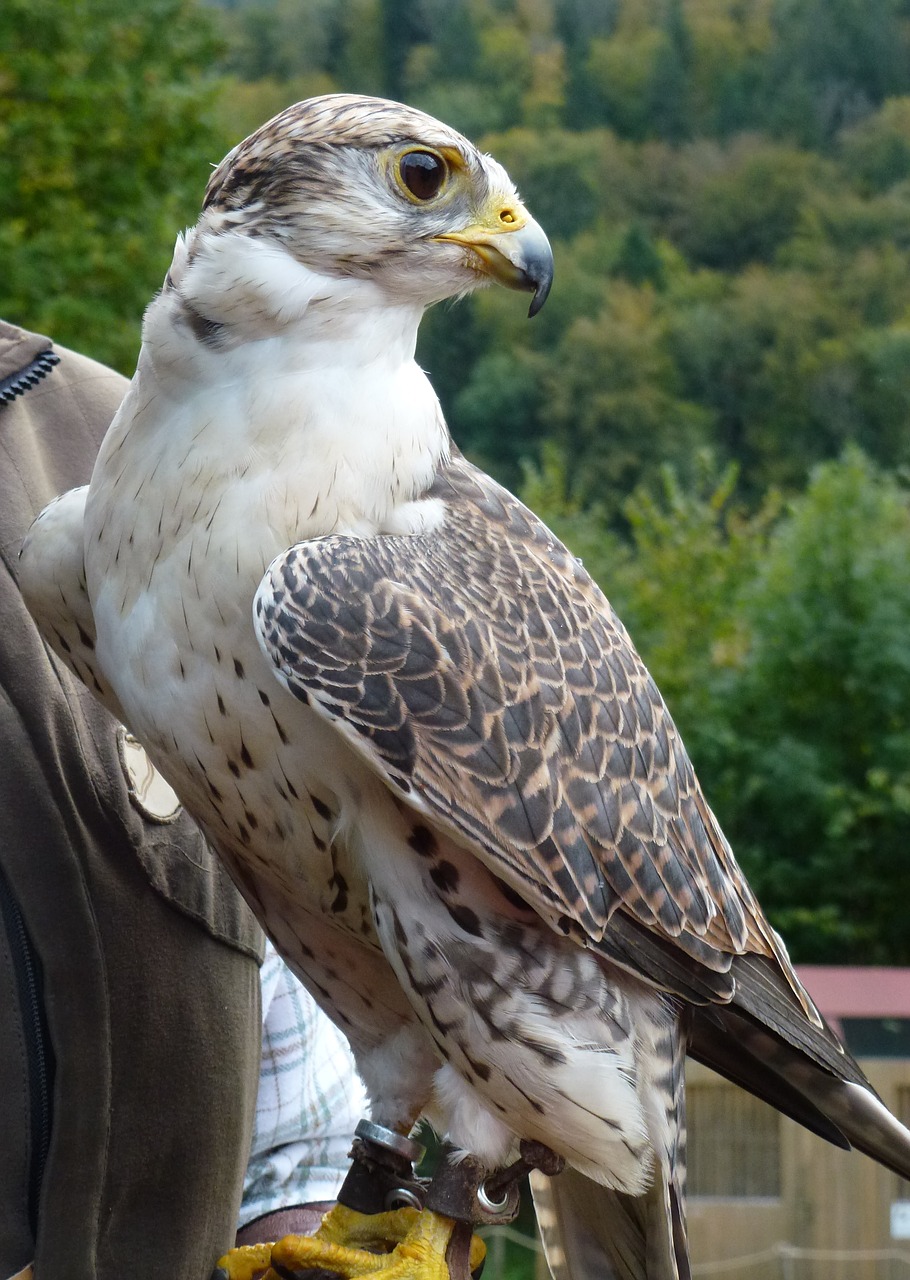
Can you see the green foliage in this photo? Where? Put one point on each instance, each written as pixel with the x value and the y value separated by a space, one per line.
pixel 280 40
pixel 625 71
pixel 104 150
pixel 693 548
pixel 801 69
pixel 546 488
pixel 877 150
pixel 831 61
pixel 638 258
pixel 821 719
pixel 612 385
pixel 745 205
pixel 498 408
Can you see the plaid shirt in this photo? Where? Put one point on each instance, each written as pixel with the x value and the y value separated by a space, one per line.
pixel 310 1099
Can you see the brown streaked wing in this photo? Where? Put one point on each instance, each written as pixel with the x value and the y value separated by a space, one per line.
pixel 482 672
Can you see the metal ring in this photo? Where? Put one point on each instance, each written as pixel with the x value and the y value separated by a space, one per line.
pixel 491 1206
pixel 390 1140
pixel 402 1198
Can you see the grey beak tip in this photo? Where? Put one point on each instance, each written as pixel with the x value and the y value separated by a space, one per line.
pixel 541 293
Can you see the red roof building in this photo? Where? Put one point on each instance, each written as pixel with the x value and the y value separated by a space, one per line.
pixel 868 1007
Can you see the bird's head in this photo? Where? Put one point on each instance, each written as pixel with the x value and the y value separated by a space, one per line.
pixel 364 188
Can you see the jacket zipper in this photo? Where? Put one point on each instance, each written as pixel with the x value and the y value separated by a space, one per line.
pixel 24 379
pixel 39 1054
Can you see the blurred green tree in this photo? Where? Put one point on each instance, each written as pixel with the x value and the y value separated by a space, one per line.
pixel 280 39
pixel 613 400
pixel 105 147
pixel 744 202
pixel 877 149
pixel 831 63
pixel 815 792
pixel 496 413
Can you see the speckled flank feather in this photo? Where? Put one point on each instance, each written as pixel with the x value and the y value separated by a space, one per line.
pixel 432 760
pixel 589 1231
pixel 53 581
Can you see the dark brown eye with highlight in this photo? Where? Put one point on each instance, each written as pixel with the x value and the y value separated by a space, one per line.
pixel 423 173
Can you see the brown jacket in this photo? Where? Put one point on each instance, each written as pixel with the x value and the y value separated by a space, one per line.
pixel 129 994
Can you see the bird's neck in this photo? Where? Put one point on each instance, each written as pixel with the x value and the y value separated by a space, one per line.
pixel 259 358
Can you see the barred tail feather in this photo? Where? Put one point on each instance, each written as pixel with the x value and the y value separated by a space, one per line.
pixel 592 1233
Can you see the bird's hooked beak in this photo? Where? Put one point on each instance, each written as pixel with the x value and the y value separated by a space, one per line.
pixel 510 247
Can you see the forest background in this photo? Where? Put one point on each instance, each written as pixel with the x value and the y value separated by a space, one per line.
pixel 714 407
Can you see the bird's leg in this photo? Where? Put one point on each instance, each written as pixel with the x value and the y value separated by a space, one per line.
pixel 463 1191
pixel 379 1227
pixel 391 1225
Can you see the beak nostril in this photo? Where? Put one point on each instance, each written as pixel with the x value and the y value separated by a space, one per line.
pixel 507 217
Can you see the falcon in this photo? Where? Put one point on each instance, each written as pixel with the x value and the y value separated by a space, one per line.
pixel 407 718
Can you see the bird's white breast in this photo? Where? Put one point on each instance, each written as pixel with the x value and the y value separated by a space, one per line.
pixel 200 483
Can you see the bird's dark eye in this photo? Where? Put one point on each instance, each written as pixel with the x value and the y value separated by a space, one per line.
pixel 423 173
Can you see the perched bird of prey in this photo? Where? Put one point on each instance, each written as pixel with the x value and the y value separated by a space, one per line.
pixel 403 713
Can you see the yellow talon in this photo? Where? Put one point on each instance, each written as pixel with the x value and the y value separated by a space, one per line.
pixel 377 1232
pixel 245 1262
pixel 404 1244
